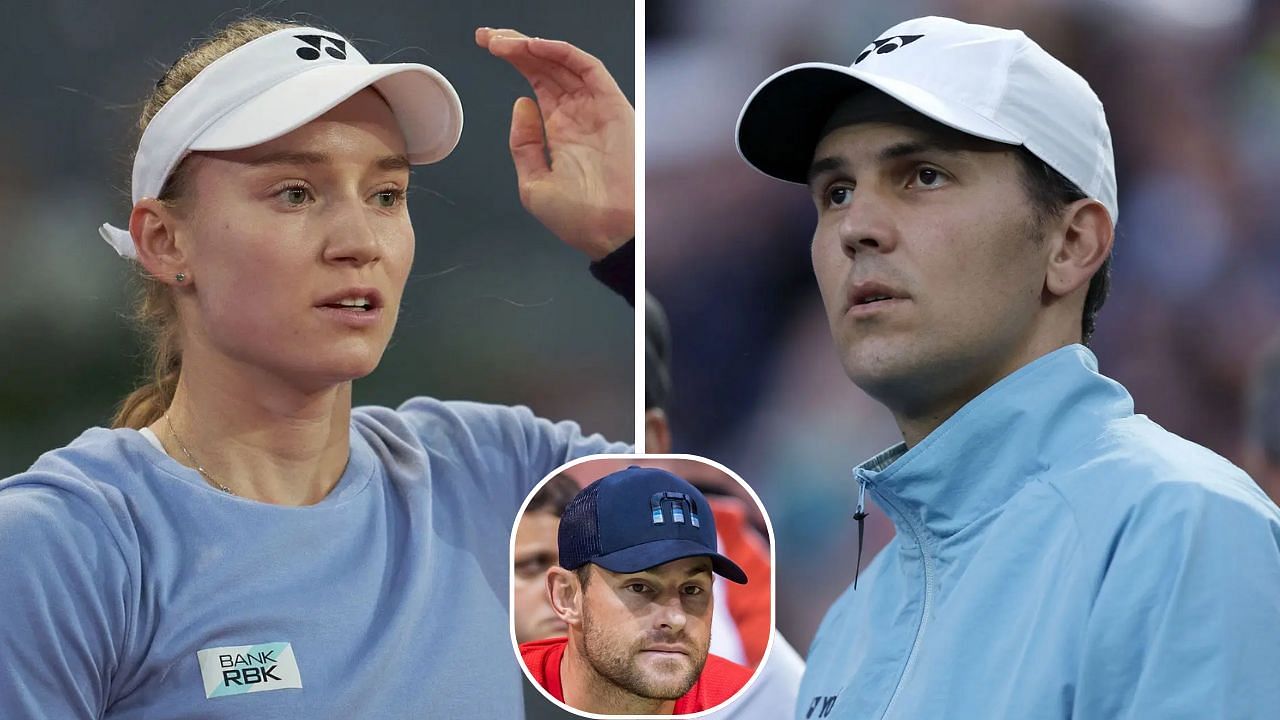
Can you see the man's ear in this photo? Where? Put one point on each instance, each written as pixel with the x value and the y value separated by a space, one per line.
pixel 1081 241
pixel 565 592
pixel 154 227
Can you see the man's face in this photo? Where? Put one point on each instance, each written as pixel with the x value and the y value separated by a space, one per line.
pixel 942 228
pixel 648 632
pixel 536 552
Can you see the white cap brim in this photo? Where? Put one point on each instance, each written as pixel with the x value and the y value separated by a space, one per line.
pixel 425 105
pixel 781 123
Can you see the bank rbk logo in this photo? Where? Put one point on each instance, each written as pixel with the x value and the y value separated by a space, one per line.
pixel 886 45
pixel 337 47
pixel 248 668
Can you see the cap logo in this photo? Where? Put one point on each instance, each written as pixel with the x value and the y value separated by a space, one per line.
pixel 315 43
pixel 678 502
pixel 886 45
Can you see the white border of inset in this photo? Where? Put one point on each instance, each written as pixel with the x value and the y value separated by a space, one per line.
pixel 640 240
pixel 643 460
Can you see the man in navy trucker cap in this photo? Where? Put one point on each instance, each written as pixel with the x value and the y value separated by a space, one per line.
pixel 634 586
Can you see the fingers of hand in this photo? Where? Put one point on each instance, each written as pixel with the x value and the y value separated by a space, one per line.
pixel 506 44
pixel 549 82
pixel 557 52
pixel 485 35
pixel 565 64
pixel 584 66
pixel 545 76
pixel 528 149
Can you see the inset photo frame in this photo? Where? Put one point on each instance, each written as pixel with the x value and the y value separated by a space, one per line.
pixel 643 586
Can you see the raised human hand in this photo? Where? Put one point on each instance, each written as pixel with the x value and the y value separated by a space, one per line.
pixel 578 179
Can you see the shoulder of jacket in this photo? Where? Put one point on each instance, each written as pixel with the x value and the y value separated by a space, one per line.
pixel 1137 469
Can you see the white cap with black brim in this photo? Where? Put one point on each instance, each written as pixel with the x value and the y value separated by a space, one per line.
pixel 987 82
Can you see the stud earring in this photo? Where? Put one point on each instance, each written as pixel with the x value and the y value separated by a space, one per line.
pixel 180 277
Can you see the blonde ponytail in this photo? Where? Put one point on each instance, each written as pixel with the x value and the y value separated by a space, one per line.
pixel 155 313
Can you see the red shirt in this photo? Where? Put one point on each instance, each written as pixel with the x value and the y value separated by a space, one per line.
pixel 719 680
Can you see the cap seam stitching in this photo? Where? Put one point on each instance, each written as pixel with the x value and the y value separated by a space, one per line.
pixel 1004 81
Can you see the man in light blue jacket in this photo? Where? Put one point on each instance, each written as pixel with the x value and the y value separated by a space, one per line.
pixel 1057 556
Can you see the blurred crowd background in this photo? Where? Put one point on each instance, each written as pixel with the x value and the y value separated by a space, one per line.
pixel 496 310
pixel 1191 90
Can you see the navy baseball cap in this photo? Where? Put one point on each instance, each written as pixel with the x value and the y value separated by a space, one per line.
pixel 639 518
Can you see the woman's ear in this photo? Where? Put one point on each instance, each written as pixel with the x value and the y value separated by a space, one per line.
pixel 154 227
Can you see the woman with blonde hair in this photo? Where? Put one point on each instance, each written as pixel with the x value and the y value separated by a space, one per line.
pixel 243 540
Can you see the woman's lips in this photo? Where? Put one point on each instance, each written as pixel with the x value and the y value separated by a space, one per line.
pixel 351 317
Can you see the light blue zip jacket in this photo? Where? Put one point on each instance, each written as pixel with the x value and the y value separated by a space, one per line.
pixel 1057 556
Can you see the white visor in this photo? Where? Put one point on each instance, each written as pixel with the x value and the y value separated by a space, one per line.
pixel 275 84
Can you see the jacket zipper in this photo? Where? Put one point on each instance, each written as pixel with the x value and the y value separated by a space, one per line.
pixel 928 597
pixel 860 514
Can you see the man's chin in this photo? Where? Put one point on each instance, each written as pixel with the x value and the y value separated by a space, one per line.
pixel 665 687
pixel 877 366
pixel 667 678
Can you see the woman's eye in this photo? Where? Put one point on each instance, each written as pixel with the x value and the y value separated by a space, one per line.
pixel 295 195
pixel 389 198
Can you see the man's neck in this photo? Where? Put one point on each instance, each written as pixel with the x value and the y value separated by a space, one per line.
pixel 585 689
pixel 918 420
pixel 256 435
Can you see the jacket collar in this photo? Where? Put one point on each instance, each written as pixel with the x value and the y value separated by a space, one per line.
pixel 978 458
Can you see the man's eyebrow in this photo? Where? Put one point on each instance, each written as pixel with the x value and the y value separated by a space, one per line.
pixel 916 147
pixel 822 165
pixel 655 575
pixel 287 157
pixel 907 148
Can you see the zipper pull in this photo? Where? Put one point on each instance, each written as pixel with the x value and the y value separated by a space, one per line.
pixel 859 515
